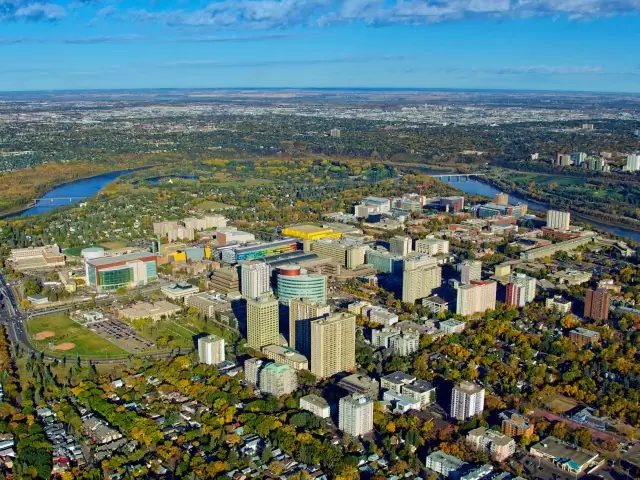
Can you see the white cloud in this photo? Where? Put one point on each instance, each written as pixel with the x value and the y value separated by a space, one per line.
pixel 266 14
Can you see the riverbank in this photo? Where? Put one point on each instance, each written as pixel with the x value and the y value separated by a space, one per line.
pixel 611 222
pixel 68 176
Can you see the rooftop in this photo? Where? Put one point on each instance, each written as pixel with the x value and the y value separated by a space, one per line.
pixel 553 447
pixel 585 332
pixel 130 257
pixel 469 387
pixel 285 352
pixel 316 401
pixel 419 386
pixel 399 378
pixel 497 438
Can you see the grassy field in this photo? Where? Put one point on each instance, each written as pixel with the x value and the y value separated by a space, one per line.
pixel 524 179
pixel 87 343
pixel 176 334
pixel 559 403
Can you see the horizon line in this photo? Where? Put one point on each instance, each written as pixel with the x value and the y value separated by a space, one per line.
pixel 308 88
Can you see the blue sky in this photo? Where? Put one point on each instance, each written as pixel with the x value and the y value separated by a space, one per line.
pixel 587 45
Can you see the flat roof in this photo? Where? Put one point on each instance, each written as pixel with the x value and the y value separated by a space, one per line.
pixel 553 447
pixel 306 228
pixel 315 400
pixel 398 377
pixel 419 386
pixel 129 257
pixel 585 332
pixel 287 352
pixel 262 246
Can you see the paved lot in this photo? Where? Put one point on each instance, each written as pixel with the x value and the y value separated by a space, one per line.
pixel 122 335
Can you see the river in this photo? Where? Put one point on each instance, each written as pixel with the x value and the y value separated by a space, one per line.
pixel 475 187
pixel 78 190
pixel 70 193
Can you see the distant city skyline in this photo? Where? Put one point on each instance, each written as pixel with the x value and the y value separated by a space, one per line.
pixel 561 45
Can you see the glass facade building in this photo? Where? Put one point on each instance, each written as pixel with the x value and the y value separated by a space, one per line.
pixel 107 274
pixel 309 287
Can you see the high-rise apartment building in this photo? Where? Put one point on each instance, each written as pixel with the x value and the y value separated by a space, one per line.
pixel 277 379
pixel 633 163
pixel 252 369
pixel 211 350
pixel 476 297
pixel 521 289
pixel 470 270
pixel 254 279
pixel 558 304
pixel 294 282
pixel 262 322
pixel 432 246
pixel 301 313
pixel 420 276
pixel 501 198
pixel 558 220
pixel 400 245
pixel 596 304
pixel 467 400
pixel 355 415
pixel 333 344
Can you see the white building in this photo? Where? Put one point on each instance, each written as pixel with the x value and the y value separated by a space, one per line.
pixel 470 270
pixel 558 220
pixel 476 297
pixel 633 162
pixel 420 276
pixel 400 245
pixel 451 326
pixel 278 379
pixel 528 285
pixel 179 291
pixel 252 368
pixel 316 405
pixel 558 304
pixel 405 343
pixel 444 464
pixel 496 444
pixel 254 279
pixel 432 246
pixel 211 350
pixel 355 415
pixel 467 400
pixel 422 391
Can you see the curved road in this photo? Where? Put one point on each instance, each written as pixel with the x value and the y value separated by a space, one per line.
pixel 11 316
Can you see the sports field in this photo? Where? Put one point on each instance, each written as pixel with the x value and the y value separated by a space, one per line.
pixel 58 335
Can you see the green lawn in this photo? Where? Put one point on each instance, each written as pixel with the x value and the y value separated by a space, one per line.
pixel 87 343
pixel 169 334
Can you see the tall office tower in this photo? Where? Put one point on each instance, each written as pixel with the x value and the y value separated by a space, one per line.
pixel 476 297
pixel 596 304
pixel 301 313
pixel 558 220
pixel 262 322
pixel 501 198
pixel 333 344
pixel 633 163
pixel 211 350
pixel 528 285
pixel 277 379
pixel 294 282
pixel 355 415
pixel 400 245
pixel 420 276
pixel 254 279
pixel 470 270
pixel 467 400
pixel 515 295
pixel 432 246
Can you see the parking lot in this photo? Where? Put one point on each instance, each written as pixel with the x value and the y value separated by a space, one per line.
pixel 122 335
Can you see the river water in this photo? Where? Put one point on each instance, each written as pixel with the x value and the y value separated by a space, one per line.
pixel 74 192
pixel 474 187
pixel 71 193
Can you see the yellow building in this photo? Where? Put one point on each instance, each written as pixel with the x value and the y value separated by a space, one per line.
pixel 310 232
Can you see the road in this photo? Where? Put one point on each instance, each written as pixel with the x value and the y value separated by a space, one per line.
pixel 11 316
